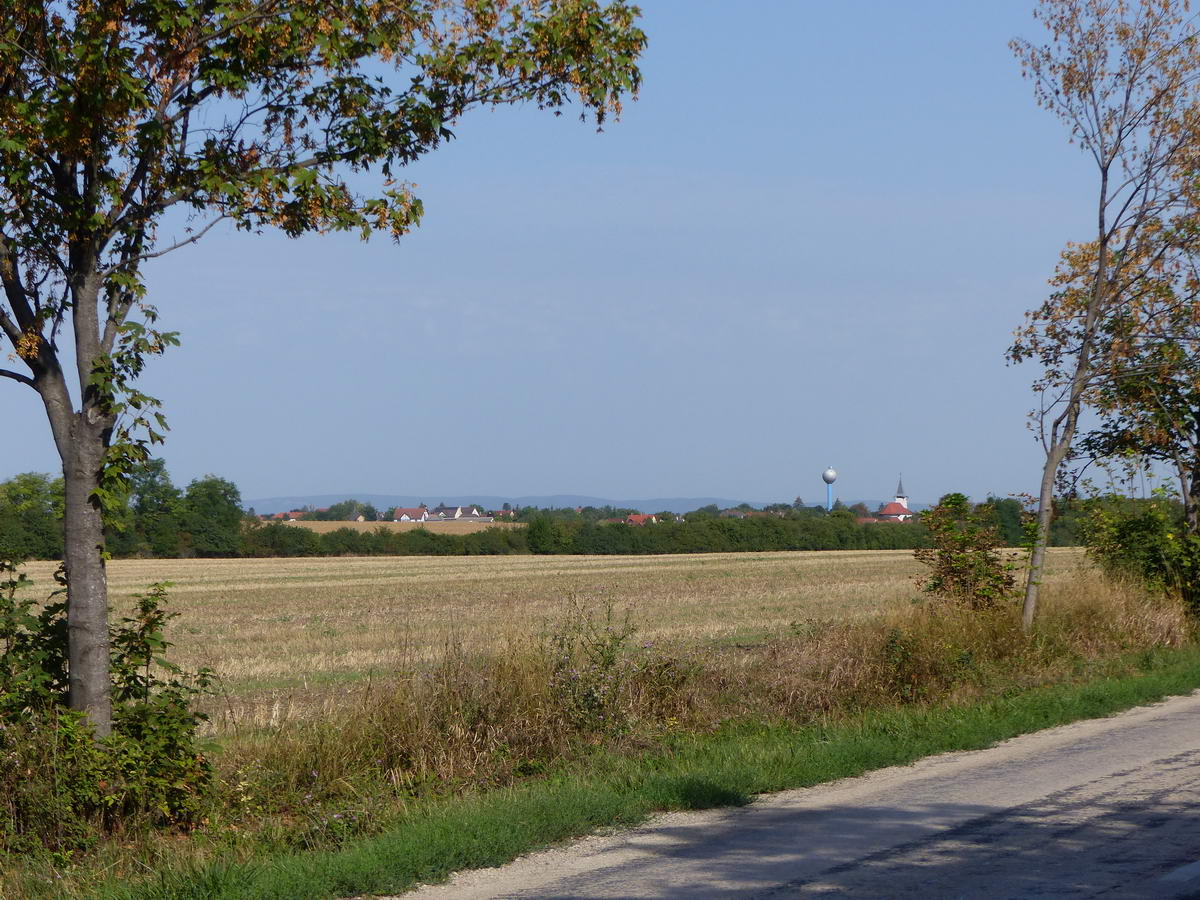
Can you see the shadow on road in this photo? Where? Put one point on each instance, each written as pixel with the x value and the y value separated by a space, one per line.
pixel 1117 837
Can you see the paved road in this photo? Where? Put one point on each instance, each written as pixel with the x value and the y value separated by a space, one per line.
pixel 1106 808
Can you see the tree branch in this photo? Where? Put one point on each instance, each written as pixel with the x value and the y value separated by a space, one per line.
pixel 9 327
pixel 104 273
pixel 17 376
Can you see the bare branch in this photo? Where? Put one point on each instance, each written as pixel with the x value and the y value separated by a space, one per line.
pixel 9 327
pixel 154 254
pixel 17 376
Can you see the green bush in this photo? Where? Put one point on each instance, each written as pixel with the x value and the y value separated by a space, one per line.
pixel 278 539
pixel 965 564
pixel 60 788
pixel 1147 540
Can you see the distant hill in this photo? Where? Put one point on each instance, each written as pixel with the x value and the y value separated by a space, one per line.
pixel 386 501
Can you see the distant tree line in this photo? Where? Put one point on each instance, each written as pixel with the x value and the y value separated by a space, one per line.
pixel 205 519
pixel 155 519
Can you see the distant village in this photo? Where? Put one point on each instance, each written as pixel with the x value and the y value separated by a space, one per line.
pixel 896 511
pixel 421 513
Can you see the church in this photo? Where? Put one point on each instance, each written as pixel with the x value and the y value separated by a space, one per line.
pixel 897 510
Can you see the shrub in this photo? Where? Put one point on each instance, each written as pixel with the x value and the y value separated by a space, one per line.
pixel 278 539
pixel 966 565
pixel 60 787
pixel 1146 540
pixel 589 667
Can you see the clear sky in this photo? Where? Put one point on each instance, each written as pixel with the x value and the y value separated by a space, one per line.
pixel 807 243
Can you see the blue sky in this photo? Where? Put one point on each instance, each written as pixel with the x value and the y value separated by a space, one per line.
pixel 807 243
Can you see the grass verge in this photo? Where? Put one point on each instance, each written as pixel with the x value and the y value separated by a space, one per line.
pixel 436 837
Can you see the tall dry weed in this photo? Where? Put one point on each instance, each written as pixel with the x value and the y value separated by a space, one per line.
pixel 484 718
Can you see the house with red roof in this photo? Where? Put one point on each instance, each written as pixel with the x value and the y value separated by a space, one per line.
pixel 292 516
pixel 897 510
pixel 640 519
pixel 410 514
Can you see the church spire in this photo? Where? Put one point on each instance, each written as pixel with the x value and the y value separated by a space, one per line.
pixel 900 489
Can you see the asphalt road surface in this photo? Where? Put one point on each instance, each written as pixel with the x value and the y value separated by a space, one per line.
pixel 1103 808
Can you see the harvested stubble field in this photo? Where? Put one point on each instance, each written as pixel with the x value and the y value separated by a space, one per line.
pixel 291 637
pixel 450 526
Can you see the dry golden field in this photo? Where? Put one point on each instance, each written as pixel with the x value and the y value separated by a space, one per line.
pixel 288 636
pixel 449 526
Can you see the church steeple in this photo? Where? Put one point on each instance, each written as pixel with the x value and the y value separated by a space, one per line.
pixel 901 497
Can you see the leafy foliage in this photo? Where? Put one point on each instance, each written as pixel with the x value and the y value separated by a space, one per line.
pixel 212 516
pixel 966 567
pixel 31 507
pixel 1122 78
pixel 1148 540
pixel 59 786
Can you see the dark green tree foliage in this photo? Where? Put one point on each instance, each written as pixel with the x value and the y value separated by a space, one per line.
pixel 157 508
pixel 570 514
pixel 277 539
pixel 31 517
pixel 545 535
pixel 157 519
pixel 212 517
pixel 1007 517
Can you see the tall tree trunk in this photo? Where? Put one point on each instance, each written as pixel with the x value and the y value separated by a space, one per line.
pixel 1045 513
pixel 82 440
pixel 90 687
pixel 1189 483
pixel 1062 431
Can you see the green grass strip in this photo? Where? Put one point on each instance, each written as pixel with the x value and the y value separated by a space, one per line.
pixel 439 837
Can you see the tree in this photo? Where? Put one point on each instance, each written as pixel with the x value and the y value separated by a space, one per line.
pixel 1008 518
pixel 115 115
pixel 343 511
pixel 212 516
pixel 1150 410
pixel 1123 78
pixel 541 535
pixel 30 510
pixel 156 506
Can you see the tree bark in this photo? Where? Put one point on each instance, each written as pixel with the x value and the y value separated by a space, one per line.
pixel 89 684
pixel 1189 483
pixel 1037 555
pixel 81 439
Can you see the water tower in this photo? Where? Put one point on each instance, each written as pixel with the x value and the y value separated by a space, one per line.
pixel 829 476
